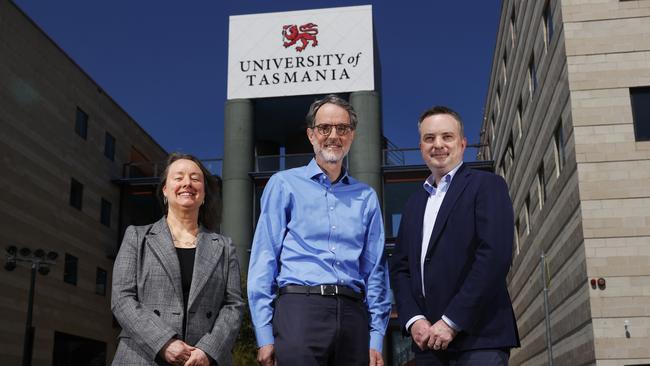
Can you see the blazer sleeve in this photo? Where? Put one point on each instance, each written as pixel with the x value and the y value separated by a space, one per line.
pixel 137 321
pixel 400 270
pixel 493 254
pixel 219 342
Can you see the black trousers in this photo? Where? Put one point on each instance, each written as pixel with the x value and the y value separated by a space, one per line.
pixel 315 330
pixel 484 357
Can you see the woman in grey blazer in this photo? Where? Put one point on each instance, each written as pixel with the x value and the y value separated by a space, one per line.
pixel 176 290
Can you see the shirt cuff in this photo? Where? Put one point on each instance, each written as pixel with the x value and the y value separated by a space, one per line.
pixel 264 335
pixel 450 323
pixel 376 340
pixel 413 320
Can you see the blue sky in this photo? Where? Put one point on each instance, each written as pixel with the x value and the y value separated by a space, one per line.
pixel 165 62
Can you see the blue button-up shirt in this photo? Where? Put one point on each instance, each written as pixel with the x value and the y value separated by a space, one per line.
pixel 312 232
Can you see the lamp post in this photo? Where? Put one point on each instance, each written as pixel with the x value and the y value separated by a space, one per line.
pixel 40 262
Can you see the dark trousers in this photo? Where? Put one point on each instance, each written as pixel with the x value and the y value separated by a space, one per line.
pixel 481 357
pixel 315 330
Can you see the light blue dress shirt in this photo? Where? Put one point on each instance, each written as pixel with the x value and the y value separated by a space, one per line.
pixel 312 232
pixel 434 202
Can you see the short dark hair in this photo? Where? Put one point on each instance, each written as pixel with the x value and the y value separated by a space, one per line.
pixel 210 210
pixel 332 99
pixel 440 109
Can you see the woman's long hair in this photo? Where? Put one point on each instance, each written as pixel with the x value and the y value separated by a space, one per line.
pixel 210 210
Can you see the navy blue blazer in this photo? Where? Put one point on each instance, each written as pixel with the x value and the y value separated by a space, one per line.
pixel 466 264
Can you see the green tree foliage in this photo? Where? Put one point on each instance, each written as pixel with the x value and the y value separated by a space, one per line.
pixel 245 351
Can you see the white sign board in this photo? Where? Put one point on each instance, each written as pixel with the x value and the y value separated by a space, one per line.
pixel 301 52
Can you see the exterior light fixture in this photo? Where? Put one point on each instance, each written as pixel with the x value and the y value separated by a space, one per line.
pixel 38 261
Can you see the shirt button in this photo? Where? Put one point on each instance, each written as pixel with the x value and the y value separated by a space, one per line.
pixel 333 248
pixel 338 263
pixel 340 281
pixel 331 208
pixel 333 227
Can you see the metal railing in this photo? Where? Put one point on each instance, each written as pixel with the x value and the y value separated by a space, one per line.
pixel 390 157
pixel 153 169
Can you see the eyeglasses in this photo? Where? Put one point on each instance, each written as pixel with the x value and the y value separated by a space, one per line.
pixel 341 129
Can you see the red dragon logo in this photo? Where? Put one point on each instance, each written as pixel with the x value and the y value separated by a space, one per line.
pixel 305 33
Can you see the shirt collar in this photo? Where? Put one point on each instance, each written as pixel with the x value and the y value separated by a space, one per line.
pixel 314 172
pixel 430 181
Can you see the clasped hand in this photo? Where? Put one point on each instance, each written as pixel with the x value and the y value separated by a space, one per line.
pixel 435 337
pixel 179 353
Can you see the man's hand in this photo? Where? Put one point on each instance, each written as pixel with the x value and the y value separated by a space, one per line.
pixel 266 355
pixel 420 333
pixel 375 358
pixel 440 335
pixel 198 358
pixel 176 352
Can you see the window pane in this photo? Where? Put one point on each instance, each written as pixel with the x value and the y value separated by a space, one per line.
pixel 109 146
pixel 72 350
pixel 641 112
pixel 105 214
pixel 70 269
pixel 76 194
pixel 100 282
pixel 395 196
pixel 81 123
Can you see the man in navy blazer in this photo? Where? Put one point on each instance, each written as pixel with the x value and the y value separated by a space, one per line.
pixel 452 255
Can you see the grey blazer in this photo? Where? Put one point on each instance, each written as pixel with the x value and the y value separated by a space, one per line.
pixel 147 297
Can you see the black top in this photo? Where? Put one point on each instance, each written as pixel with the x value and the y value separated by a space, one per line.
pixel 186 260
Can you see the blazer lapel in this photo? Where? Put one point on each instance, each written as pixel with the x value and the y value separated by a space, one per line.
pixel 160 242
pixel 458 184
pixel 208 253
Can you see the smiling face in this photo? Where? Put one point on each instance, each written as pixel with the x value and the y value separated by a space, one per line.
pixel 333 147
pixel 441 143
pixel 184 186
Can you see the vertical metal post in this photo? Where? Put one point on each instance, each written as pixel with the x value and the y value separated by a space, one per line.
pixel 29 332
pixel 547 315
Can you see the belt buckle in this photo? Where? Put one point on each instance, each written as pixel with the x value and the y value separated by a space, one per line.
pixel 329 290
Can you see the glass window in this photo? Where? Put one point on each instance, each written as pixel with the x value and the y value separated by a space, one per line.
pixel 395 196
pixel 527 214
pixel 70 269
pixel 541 185
pixel 105 214
pixel 517 237
pixel 76 194
pixel 641 112
pixel 548 24
pixel 498 99
pixel 100 282
pixel 513 36
pixel 532 76
pixel 72 350
pixel 518 120
pixel 504 68
pixel 81 124
pixel 560 157
pixel 109 146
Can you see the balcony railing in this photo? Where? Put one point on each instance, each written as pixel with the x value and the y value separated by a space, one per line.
pixel 392 157
pixel 153 169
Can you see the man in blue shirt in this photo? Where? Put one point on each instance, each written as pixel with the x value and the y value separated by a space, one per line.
pixel 317 280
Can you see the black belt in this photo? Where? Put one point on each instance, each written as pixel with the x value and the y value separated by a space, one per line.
pixel 323 290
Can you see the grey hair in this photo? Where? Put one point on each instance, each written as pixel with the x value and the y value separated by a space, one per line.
pixel 332 99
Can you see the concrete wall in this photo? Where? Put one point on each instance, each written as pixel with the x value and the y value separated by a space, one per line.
pixel 40 90
pixel 608 51
pixel 547 209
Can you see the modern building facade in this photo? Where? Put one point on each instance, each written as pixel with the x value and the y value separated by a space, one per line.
pixel 567 123
pixel 63 141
